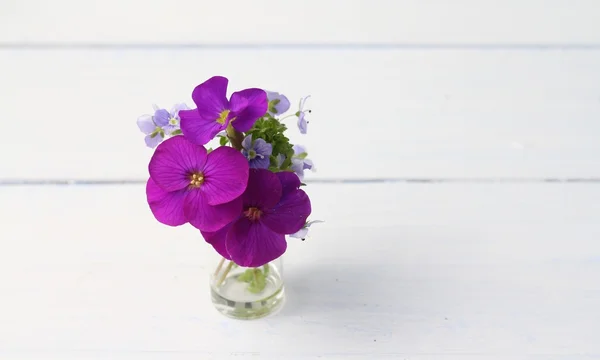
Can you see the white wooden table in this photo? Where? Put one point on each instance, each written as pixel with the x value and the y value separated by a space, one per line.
pixel 458 174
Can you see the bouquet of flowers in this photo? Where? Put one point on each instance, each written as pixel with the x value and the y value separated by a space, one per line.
pixel 244 195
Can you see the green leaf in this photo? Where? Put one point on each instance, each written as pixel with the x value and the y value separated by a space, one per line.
pixel 246 276
pixel 288 159
pixel 256 279
pixel 223 140
pixel 272 131
pixel 176 132
pixel 272 105
pixel 258 282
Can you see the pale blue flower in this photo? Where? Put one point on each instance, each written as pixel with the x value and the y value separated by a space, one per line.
pixel 302 233
pixel 258 152
pixel 301 114
pixel 300 162
pixel 161 124
pixel 278 103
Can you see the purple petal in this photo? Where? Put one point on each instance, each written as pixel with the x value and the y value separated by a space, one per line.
pixel 260 163
pixel 211 97
pixel 263 191
pixel 146 125
pixel 225 175
pixel 248 105
pixel 161 117
pixel 284 102
pixel 197 129
pixel 167 207
pixel 302 124
pixel 217 240
pixel 289 216
pixel 153 142
pixel 173 162
pixel 207 217
pixel 251 244
pixel 289 182
pixel 247 142
pixel 262 147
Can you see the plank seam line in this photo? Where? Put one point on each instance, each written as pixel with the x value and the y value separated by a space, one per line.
pixel 295 46
pixel 408 180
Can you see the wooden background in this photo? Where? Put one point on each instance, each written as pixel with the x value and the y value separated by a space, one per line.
pixel 457 155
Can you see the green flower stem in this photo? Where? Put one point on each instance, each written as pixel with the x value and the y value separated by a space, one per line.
pixel 256 278
pixel 227 270
pixel 235 137
pixel 288 116
pixel 219 267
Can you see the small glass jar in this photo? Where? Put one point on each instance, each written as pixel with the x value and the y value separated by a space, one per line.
pixel 246 293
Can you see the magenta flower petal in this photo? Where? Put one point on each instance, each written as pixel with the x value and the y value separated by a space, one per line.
pixel 289 181
pixel 173 162
pixel 290 214
pixel 248 105
pixel 251 244
pixel 167 207
pixel 217 240
pixel 225 175
pixel 198 129
pixel 207 217
pixel 211 97
pixel 263 191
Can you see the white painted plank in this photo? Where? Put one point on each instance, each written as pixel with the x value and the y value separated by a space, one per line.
pixel 397 271
pixel 376 114
pixel 309 21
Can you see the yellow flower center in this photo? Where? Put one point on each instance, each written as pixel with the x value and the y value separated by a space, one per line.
pixel 173 121
pixel 223 117
pixel 196 179
pixel 253 213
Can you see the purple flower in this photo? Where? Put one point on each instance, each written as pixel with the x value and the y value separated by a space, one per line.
pixel 278 103
pixel 214 112
pixel 300 162
pixel 160 124
pixel 188 185
pixel 301 114
pixel 273 207
pixel 258 152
